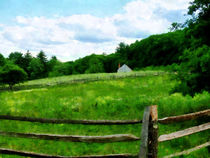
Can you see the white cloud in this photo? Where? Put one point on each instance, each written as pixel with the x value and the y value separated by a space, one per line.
pixel 173 4
pixel 76 36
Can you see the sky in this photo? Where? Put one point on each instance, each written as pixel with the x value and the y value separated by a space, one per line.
pixel 71 29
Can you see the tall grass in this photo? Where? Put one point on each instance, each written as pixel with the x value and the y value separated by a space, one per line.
pixel 117 99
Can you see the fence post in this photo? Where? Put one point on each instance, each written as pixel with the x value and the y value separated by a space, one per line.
pixel 144 133
pixel 153 133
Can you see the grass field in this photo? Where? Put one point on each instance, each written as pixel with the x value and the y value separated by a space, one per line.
pixel 80 78
pixel 118 99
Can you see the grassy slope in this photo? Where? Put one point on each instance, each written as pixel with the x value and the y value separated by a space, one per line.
pixel 81 78
pixel 114 99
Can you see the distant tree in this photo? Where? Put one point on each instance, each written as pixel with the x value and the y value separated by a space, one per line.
pixel 42 57
pixel 36 69
pixel 2 60
pixel 52 63
pixel 175 26
pixel 156 50
pixel 12 74
pixel 61 69
pixel 17 58
pixel 26 62
pixel 123 51
pixel 70 67
pixel 21 60
pixel 112 61
pixel 43 60
pixel 95 66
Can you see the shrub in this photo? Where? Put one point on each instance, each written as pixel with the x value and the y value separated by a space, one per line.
pixel 12 74
pixel 194 72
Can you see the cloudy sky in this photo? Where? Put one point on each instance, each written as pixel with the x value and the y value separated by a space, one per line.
pixel 71 29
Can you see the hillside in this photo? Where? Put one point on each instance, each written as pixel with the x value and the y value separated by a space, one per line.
pixel 115 99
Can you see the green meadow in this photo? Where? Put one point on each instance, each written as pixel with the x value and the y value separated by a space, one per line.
pixel 106 99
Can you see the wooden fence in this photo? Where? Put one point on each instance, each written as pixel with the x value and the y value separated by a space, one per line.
pixel 149 134
pixel 110 76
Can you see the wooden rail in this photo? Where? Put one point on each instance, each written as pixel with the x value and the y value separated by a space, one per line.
pixel 149 134
pixel 37 155
pixel 75 138
pixel 65 121
pixel 82 80
pixel 189 150
pixel 184 132
pixel 185 117
pixel 165 120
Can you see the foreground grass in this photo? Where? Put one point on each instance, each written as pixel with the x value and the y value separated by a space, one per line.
pixel 117 99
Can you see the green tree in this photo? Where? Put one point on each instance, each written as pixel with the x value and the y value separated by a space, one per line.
pixel 199 23
pixel 111 62
pixel 26 62
pixel 12 74
pixel 17 58
pixel 194 71
pixel 2 60
pixel 52 63
pixel 61 69
pixel 200 6
pixel 124 51
pixel 36 68
pixel 175 26
pixel 43 60
pixel 95 66
pixel 156 50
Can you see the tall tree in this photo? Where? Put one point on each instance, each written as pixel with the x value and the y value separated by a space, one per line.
pixel 95 65
pixel 199 23
pixel 2 60
pixel 43 61
pixel 52 63
pixel 17 58
pixel 36 69
pixel 26 62
pixel 42 57
pixel 194 72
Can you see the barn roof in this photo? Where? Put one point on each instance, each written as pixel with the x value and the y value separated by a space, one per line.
pixel 124 68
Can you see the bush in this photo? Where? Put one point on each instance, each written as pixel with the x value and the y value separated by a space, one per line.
pixel 61 69
pixel 194 72
pixel 12 74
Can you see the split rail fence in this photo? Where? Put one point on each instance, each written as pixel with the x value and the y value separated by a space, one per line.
pixel 149 134
pixel 110 76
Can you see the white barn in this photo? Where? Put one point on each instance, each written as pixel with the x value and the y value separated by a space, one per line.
pixel 124 68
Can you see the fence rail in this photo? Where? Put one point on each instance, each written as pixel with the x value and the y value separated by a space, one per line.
pixel 37 155
pixel 75 138
pixel 166 120
pixel 149 134
pixel 184 132
pixel 189 150
pixel 66 121
pixel 186 117
pixel 110 76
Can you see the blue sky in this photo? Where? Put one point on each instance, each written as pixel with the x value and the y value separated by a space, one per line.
pixel 48 8
pixel 71 29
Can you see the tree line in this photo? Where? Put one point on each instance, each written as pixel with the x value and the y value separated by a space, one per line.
pixel 186 47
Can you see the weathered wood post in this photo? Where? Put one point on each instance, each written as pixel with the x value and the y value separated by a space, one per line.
pixel 144 133
pixel 153 133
